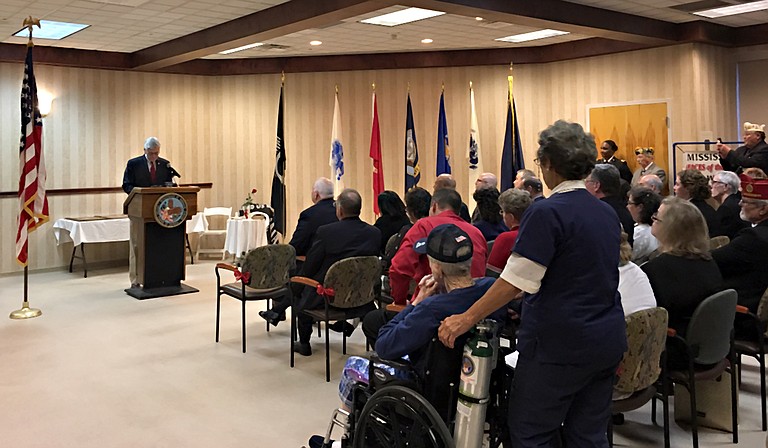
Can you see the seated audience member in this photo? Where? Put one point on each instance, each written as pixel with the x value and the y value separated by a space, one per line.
pixel 321 213
pixel 484 181
pixel 684 274
pixel 393 216
pixel 450 289
pixel 521 176
pixel 446 181
pixel 490 222
pixel 642 204
pixel 534 187
pixel 417 201
pixel 604 183
pixel 349 237
pixel 513 204
pixel 644 158
pixel 651 182
pixel 635 289
pixel 725 190
pixel 407 265
pixel 754 152
pixel 744 261
pixel 693 186
pixel 755 173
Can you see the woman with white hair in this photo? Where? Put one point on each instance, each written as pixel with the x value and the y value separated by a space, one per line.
pixel 725 190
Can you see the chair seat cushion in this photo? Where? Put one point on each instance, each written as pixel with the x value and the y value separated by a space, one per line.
pixel 746 347
pixel 701 373
pixel 236 290
pixel 339 313
pixel 634 401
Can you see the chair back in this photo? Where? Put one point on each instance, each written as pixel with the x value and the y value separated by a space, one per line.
pixel 270 265
pixel 646 338
pixel 352 280
pixel 489 248
pixel 215 218
pixel 718 241
pixel 762 310
pixel 709 331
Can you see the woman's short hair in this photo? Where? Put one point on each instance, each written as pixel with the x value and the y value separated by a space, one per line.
pixel 488 204
pixel 649 200
pixel 390 204
pixel 696 183
pixel 515 202
pixel 417 202
pixel 569 150
pixel 682 231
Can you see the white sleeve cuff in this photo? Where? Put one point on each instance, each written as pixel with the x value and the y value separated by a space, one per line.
pixel 523 273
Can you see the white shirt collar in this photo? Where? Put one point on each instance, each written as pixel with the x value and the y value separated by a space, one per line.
pixel 569 185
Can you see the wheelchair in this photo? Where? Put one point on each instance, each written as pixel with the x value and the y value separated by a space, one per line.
pixel 401 407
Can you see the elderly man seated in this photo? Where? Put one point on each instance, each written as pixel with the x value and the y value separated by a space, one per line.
pixel 450 289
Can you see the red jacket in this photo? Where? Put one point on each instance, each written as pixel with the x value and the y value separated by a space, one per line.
pixel 407 264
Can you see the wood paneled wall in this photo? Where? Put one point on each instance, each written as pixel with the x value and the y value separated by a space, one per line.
pixel 222 129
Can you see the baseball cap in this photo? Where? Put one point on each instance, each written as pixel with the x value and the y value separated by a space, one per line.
pixel 446 243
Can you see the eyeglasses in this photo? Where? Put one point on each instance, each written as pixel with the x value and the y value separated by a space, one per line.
pixel 655 217
pixel 717 182
pixel 632 203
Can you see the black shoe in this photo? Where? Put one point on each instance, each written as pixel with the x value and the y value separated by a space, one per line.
pixel 302 348
pixel 272 317
pixel 342 326
pixel 317 442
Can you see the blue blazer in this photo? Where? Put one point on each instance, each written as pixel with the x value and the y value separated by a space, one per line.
pixel 137 173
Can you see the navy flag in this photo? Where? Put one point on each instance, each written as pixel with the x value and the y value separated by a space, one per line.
pixel 277 200
pixel 443 149
pixel 412 171
pixel 512 154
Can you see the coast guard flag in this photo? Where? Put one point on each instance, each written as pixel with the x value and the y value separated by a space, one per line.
pixel 33 203
pixel 412 170
pixel 375 154
pixel 278 179
pixel 512 153
pixel 473 155
pixel 443 151
pixel 336 159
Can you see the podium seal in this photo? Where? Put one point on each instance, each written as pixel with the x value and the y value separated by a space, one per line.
pixel 170 210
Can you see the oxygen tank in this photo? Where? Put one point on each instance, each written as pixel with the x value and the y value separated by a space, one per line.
pixel 477 365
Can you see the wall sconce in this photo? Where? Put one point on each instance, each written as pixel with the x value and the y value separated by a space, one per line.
pixel 44 101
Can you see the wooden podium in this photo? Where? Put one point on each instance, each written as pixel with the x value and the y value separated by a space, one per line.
pixel 158 230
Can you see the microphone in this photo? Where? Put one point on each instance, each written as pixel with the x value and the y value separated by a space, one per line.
pixel 173 171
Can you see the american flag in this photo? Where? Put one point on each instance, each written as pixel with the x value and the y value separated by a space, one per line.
pixel 33 204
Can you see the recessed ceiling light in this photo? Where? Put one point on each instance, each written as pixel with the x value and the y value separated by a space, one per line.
pixel 426 41
pixel 315 43
pixel 541 34
pixel 479 19
pixel 733 10
pixel 400 17
pixel 244 47
pixel 52 30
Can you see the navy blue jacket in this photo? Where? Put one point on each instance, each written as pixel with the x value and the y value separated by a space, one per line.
pixel 319 214
pixel 137 173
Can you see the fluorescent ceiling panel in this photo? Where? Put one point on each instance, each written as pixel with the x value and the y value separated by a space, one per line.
pixel 52 30
pixel 244 47
pixel 733 10
pixel 400 17
pixel 541 34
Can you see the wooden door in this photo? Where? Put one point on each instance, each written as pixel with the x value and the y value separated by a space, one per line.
pixel 632 126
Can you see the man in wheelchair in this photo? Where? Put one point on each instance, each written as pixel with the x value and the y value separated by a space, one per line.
pixel 450 289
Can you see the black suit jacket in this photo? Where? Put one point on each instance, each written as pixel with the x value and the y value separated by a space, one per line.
pixel 137 173
pixel 744 264
pixel 319 214
pixel 710 215
pixel 728 214
pixel 627 223
pixel 743 157
pixel 347 238
pixel 621 165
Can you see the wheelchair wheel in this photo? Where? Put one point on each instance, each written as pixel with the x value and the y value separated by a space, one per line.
pixel 397 417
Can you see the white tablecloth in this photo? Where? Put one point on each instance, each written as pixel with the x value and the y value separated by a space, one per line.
pixel 245 234
pixel 98 231
pixel 106 230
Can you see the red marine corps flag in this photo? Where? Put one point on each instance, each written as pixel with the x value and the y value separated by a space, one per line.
pixel 33 203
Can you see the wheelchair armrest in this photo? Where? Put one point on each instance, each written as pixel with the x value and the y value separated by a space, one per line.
pixel 392 372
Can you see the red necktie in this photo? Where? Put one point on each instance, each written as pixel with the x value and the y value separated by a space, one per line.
pixel 152 173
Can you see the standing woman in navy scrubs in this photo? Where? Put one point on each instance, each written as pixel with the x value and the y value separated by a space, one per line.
pixel 572 334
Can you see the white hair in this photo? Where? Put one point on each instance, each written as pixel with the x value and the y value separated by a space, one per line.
pixel 324 187
pixel 730 179
pixel 152 143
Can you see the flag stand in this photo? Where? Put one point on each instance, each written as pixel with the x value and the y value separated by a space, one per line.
pixel 25 312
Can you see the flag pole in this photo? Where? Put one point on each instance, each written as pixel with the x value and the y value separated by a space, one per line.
pixel 26 312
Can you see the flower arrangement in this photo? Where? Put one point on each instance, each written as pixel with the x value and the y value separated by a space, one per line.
pixel 248 204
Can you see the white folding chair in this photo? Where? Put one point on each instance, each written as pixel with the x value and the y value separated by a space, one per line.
pixel 215 220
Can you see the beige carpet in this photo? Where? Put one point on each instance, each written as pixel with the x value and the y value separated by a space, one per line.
pixel 101 369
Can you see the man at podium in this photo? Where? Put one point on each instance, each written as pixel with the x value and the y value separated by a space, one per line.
pixel 145 171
